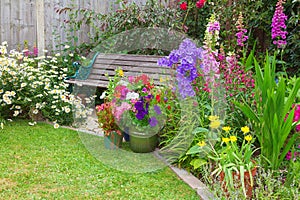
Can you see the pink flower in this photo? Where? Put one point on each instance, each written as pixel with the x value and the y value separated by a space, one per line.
pixel 200 3
pixel 118 111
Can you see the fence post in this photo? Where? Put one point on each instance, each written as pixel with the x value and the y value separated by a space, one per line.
pixel 40 26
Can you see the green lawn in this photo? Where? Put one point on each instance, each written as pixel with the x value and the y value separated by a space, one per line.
pixel 41 162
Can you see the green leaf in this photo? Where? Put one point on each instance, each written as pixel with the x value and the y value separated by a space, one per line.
pixel 200 130
pixel 194 150
pixel 198 162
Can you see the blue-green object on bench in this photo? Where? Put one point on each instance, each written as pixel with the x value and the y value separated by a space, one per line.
pixel 82 72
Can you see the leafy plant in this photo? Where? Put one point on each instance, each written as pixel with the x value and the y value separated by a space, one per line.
pixel 272 116
pixel 230 157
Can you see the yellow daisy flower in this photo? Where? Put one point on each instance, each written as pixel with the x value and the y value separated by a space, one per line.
pixel 233 139
pixel 245 129
pixel 201 143
pixel 215 124
pixel 226 140
pixel 121 73
pixel 248 138
pixel 226 129
pixel 213 118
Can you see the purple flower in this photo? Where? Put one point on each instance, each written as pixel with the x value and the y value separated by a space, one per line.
pixel 144 90
pixel 213 27
pixel 186 57
pixel 153 121
pixel 157 109
pixel 241 37
pixel 141 110
pixel 278 25
pixel 124 92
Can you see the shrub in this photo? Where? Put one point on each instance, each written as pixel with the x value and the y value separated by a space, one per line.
pixel 33 87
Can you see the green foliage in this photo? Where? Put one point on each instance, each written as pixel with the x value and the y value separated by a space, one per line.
pixel 104 26
pixel 272 117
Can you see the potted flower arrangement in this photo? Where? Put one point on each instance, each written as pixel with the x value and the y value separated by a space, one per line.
pixel 112 134
pixel 233 157
pixel 138 111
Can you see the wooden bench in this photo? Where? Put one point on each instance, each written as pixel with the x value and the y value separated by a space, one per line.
pixel 103 66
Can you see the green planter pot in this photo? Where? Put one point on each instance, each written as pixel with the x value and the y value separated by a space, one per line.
pixel 143 144
pixel 113 140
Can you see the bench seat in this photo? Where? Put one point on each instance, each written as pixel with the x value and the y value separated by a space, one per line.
pixel 103 67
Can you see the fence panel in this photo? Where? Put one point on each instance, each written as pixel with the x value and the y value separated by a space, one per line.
pixel 20 19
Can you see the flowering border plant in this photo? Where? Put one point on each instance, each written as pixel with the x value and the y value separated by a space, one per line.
pixel 106 118
pixel 233 155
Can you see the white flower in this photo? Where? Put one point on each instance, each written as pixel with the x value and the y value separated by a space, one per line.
pixel 23 85
pixel 1 125
pixel 132 95
pixel 35 111
pixel 67 46
pixel 67 110
pixel 103 95
pixel 122 82
pixel 32 123
pixel 56 126
pixel 71 55
pixel 16 113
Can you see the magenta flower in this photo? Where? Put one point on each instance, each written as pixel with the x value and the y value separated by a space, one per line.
pixel 278 25
pixel 241 34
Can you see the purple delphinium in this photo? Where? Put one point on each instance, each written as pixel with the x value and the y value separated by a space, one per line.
pixel 278 25
pixel 185 57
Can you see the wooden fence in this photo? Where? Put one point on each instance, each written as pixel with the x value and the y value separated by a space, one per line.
pixel 35 21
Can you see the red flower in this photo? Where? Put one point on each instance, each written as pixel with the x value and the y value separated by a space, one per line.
pixel 169 107
pixel 158 98
pixel 183 6
pixel 200 3
pixel 149 85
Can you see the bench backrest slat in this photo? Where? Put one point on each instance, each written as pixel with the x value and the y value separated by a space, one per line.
pixel 105 65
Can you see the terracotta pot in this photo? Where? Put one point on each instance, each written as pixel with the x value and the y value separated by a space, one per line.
pixel 113 140
pixel 237 180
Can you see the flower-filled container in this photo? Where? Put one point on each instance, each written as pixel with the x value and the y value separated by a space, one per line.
pixel 139 112
pixel 112 134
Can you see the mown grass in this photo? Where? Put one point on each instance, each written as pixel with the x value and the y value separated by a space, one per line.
pixel 40 162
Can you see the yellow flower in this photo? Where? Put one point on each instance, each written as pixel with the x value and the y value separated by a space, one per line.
pixel 213 118
pixel 248 138
pixel 201 143
pixel 226 140
pixel 226 128
pixel 161 80
pixel 245 129
pixel 215 124
pixel 233 139
pixel 121 73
